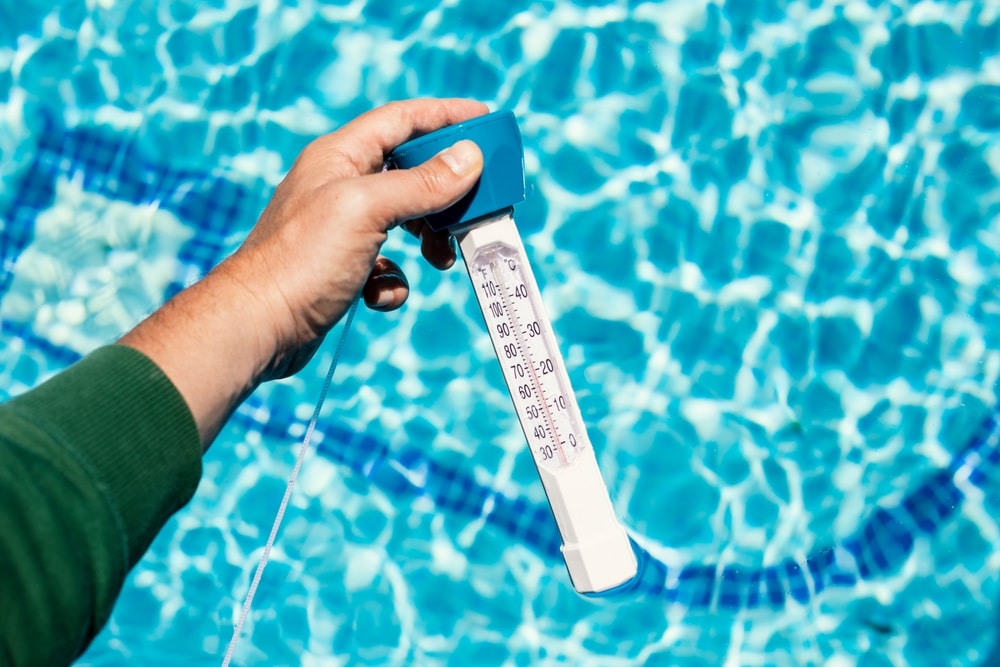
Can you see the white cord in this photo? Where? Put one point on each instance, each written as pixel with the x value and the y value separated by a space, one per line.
pixel 288 489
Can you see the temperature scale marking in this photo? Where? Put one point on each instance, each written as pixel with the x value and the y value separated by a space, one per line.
pixel 505 294
pixel 530 361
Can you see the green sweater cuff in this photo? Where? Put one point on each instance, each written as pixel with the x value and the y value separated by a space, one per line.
pixel 124 420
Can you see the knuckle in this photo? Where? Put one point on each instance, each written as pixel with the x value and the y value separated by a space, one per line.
pixel 429 178
pixel 401 110
pixel 313 150
pixel 323 162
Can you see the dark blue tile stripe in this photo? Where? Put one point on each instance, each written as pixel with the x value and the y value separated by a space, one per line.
pixel 109 164
pixel 880 546
pixel 106 164
pixel 62 356
pixel 35 193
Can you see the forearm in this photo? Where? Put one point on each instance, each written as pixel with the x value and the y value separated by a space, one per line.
pixel 214 341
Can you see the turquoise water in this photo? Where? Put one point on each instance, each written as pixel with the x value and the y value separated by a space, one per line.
pixel 766 233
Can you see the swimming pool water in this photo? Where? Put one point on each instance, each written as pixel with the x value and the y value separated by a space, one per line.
pixel 767 235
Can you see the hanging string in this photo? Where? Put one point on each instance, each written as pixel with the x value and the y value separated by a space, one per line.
pixel 306 441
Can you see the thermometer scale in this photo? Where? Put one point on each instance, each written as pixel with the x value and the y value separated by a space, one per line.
pixel 596 548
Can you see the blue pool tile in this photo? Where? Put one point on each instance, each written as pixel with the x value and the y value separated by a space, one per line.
pixel 841 199
pixel 831 47
pixel 798 587
pixel 753 589
pixel 299 66
pixel 574 172
pixel 695 586
pixel 993 457
pixel 744 17
pixel 722 244
pixel 982 33
pixel 631 147
pixel 33 195
pixel 703 47
pixel 972 178
pixel 652 578
pixel 891 538
pixel 903 115
pixel 943 495
pixel 87 88
pixel 734 586
pixel 775 591
pixel 458 499
pixel 928 50
pixel 835 256
pixel 881 545
pixel 888 213
pixel 922 512
pixel 703 114
pixel 776 479
pixel 855 547
pixel 767 248
pixel 598 226
pixel 872 559
pixel 843 579
pixel 676 235
pixel 392 479
pixel 969 161
pixel 818 565
pixel 453 73
pixel 238 34
pixel 838 342
pixel 552 94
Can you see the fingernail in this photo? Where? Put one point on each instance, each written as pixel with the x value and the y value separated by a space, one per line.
pixel 379 290
pixel 396 277
pixel 462 157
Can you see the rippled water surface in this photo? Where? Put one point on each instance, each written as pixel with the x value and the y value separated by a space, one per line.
pixel 767 234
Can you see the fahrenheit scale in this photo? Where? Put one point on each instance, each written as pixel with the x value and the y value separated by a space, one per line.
pixel 596 548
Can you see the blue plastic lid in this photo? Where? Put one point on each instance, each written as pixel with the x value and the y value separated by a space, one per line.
pixel 502 182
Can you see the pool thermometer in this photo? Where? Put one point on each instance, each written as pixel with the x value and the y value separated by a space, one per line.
pixel 596 548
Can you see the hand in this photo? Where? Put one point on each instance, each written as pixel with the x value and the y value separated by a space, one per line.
pixel 263 312
pixel 317 242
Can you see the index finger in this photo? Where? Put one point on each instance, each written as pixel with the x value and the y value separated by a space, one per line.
pixel 366 140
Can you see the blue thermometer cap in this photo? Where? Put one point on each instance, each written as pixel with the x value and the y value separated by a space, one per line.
pixel 501 185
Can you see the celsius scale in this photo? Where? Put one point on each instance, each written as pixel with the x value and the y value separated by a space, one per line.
pixel 596 548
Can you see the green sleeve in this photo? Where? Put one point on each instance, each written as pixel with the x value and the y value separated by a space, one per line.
pixel 92 464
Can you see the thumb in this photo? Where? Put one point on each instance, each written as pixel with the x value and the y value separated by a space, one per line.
pixel 401 194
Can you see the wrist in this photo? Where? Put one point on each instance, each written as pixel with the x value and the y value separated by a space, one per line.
pixel 262 309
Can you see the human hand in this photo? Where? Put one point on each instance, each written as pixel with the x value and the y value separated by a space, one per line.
pixel 263 312
pixel 316 246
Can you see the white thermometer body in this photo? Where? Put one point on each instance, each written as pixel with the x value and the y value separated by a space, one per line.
pixel 596 547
